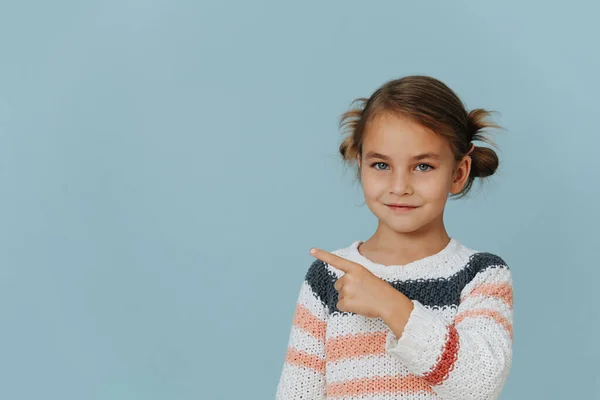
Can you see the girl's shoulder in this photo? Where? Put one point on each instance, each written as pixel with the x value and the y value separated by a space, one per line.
pixel 485 257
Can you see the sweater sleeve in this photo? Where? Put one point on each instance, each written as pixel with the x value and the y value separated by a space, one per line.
pixel 471 357
pixel 303 373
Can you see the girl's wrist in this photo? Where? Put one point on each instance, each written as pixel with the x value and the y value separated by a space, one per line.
pixel 398 309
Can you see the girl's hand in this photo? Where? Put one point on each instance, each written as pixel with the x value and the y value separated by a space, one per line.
pixel 360 291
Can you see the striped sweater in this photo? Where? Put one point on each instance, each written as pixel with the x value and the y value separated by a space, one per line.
pixel 457 343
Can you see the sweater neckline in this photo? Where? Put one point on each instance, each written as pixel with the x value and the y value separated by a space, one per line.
pixel 448 254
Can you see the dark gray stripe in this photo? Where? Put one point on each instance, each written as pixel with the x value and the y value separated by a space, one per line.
pixel 434 293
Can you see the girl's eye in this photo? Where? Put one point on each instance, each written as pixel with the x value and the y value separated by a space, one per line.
pixel 380 162
pixel 428 167
pixel 420 167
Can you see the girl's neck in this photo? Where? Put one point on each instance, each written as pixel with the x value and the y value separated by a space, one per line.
pixel 388 247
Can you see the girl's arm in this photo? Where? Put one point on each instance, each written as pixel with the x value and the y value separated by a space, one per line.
pixel 303 373
pixel 470 358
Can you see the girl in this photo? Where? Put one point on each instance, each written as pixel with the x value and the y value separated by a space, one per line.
pixel 410 312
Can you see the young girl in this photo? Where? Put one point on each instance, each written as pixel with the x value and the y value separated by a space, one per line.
pixel 410 313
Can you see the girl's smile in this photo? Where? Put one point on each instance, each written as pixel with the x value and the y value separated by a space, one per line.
pixel 401 209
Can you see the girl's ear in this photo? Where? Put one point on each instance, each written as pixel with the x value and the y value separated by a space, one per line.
pixel 461 174
pixel 358 160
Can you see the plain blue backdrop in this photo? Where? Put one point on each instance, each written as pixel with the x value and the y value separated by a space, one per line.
pixel 165 167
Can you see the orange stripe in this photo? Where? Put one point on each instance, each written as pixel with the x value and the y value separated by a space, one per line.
pixel 495 315
pixel 446 362
pixel 394 385
pixel 304 359
pixel 309 322
pixel 355 345
pixel 503 291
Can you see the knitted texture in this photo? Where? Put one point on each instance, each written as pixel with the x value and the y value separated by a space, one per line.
pixel 456 345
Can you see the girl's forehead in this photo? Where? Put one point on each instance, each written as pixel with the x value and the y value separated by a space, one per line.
pixel 401 137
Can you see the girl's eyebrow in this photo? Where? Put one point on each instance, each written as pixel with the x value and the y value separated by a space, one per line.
pixel 373 154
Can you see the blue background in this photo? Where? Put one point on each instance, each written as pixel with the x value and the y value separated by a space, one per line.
pixel 165 167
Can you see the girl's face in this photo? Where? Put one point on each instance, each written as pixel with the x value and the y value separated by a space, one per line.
pixel 406 163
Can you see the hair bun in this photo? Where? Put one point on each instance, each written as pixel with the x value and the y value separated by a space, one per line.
pixel 485 162
pixel 485 159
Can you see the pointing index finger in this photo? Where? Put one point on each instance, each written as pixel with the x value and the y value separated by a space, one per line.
pixel 332 259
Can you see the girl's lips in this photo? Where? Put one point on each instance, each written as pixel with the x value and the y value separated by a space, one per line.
pixel 401 208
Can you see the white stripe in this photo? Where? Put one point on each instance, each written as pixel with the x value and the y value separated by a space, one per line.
pixel 298 382
pixel 301 340
pixel 421 395
pixel 478 302
pixel 483 326
pixel 344 324
pixel 370 366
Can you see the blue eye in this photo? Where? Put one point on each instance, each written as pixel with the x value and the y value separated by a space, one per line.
pixel 426 165
pixel 380 162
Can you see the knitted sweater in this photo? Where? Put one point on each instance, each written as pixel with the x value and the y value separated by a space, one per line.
pixel 456 345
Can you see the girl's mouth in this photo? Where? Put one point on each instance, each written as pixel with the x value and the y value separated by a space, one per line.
pixel 401 209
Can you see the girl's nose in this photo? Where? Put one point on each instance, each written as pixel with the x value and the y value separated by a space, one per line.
pixel 401 184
